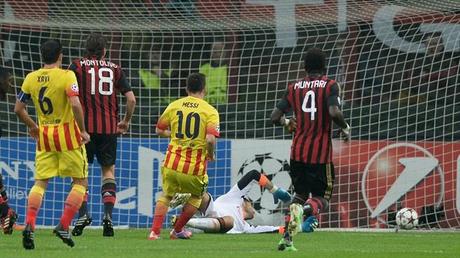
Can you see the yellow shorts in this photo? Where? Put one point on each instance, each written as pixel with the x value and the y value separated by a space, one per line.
pixel 178 182
pixel 71 163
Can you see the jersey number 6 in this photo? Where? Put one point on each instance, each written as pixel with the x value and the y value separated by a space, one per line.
pixel 45 103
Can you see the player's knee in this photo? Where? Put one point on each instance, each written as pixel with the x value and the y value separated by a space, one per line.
pixel 225 223
pixel 164 199
pixel 80 181
pixel 204 202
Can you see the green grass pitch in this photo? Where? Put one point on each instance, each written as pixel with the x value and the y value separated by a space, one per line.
pixel 134 243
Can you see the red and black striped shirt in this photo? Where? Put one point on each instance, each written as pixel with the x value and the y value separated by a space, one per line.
pixel 100 82
pixel 309 99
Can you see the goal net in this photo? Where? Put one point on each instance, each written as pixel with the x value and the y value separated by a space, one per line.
pixel 397 63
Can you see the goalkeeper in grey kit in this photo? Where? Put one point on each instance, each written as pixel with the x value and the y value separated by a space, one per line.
pixel 229 212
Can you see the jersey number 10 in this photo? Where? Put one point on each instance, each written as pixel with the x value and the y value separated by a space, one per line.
pixel 102 79
pixel 189 132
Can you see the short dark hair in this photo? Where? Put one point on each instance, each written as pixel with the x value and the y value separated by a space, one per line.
pixel 50 51
pixel 196 82
pixel 315 61
pixel 95 44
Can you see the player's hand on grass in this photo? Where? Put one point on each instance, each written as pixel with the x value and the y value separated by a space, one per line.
pixel 345 133
pixel 122 127
pixel 33 132
pixel 85 138
pixel 281 194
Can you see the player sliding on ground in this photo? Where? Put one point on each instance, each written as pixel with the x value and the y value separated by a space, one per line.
pixel 193 125
pixel 314 101
pixel 229 212
pixel 60 136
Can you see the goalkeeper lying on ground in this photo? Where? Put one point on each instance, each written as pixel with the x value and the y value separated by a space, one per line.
pixel 229 212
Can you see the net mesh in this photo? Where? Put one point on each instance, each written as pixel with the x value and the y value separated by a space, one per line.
pixel 397 63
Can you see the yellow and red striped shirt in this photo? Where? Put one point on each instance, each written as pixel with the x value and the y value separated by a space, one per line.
pixel 190 119
pixel 49 89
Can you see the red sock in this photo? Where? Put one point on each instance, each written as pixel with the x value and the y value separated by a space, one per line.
pixel 316 205
pixel 72 204
pixel 187 212
pixel 3 207
pixel 34 202
pixel 160 212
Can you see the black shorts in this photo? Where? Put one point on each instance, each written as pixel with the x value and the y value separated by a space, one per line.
pixel 104 146
pixel 317 179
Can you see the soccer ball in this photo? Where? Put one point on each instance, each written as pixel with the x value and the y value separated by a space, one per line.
pixel 407 218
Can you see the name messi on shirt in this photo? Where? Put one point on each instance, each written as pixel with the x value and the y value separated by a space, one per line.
pixel 190 105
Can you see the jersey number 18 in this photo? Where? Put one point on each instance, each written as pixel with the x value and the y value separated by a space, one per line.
pixel 102 79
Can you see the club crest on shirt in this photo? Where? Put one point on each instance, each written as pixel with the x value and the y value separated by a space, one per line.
pixel 74 87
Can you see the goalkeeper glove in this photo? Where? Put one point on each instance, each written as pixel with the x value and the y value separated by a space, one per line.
pixel 345 133
pixel 280 194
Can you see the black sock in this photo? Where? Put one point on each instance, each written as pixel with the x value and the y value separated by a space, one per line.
pixel 3 200
pixel 108 193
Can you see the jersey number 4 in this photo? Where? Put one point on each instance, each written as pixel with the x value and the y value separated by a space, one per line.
pixel 189 132
pixel 105 76
pixel 309 99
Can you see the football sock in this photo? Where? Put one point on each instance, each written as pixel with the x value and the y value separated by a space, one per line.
pixel 108 192
pixel 160 212
pixel 3 207
pixel 72 204
pixel 287 218
pixel 34 202
pixel 247 179
pixel 208 225
pixel 187 212
pixel 84 206
pixel 313 206
pixel 3 200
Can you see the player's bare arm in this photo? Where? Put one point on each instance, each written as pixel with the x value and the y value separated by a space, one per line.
pixel 123 125
pixel 335 112
pixel 78 113
pixel 165 133
pixel 21 112
pixel 279 118
pixel 210 146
